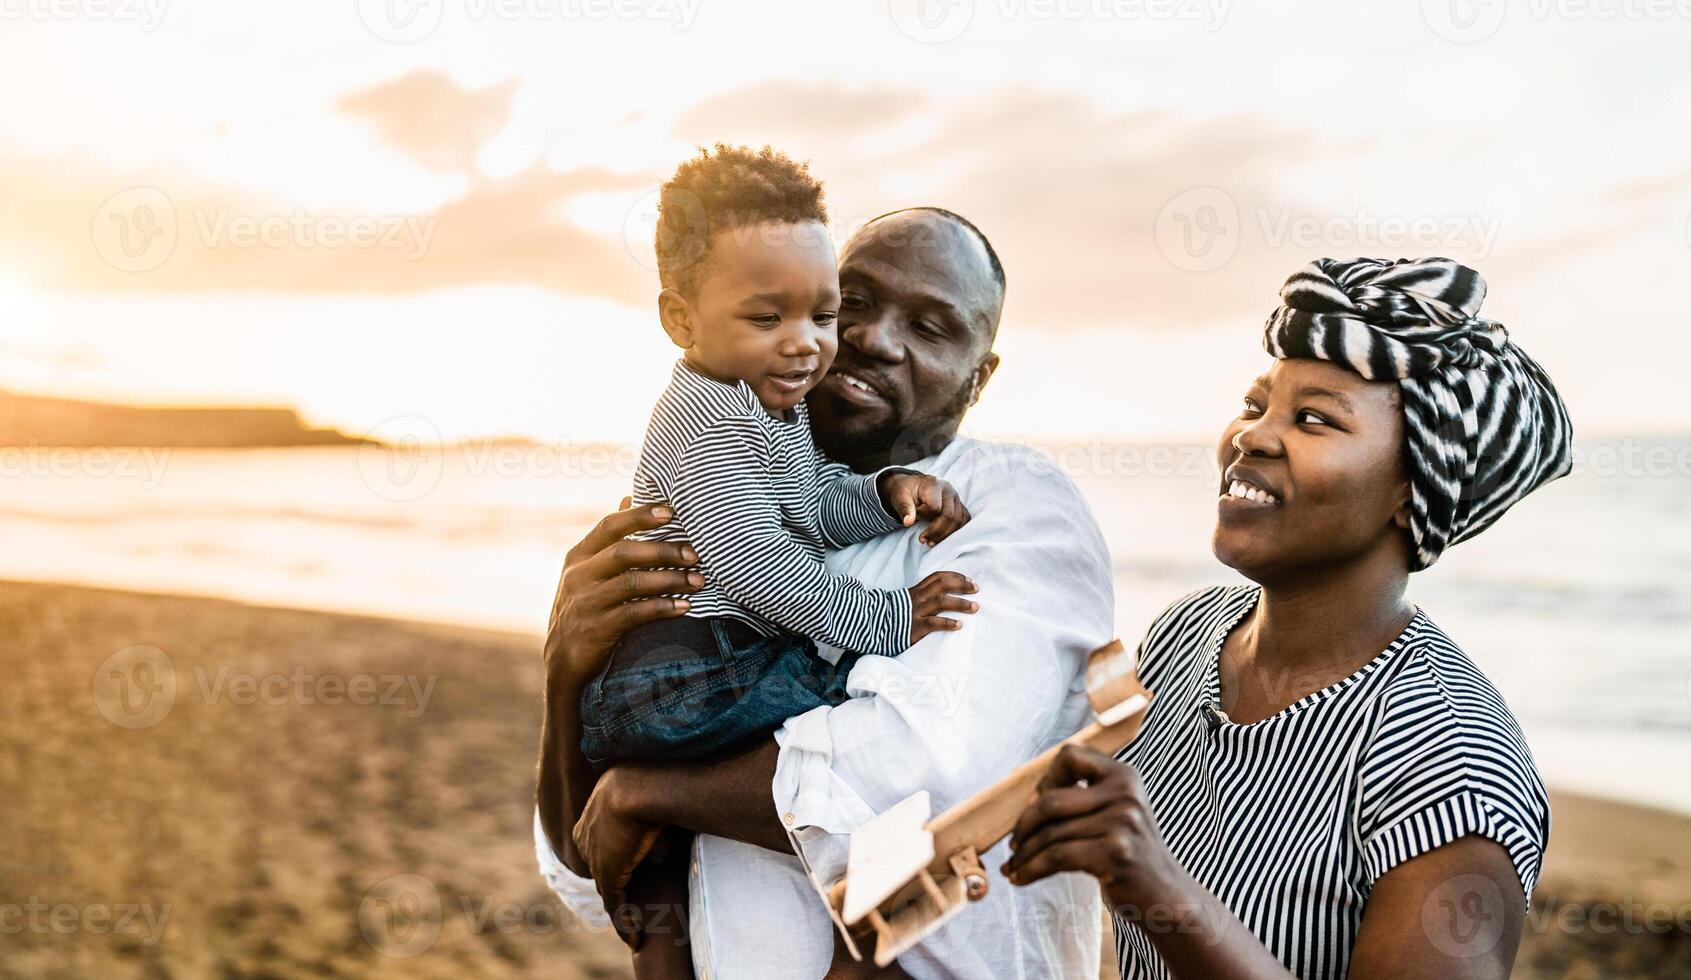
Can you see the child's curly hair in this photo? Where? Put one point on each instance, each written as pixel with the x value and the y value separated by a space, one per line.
pixel 728 187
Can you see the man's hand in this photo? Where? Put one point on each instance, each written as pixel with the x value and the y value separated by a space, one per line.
pixel 917 496
pixel 611 585
pixel 614 839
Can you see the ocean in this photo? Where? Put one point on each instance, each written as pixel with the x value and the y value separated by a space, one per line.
pixel 1577 604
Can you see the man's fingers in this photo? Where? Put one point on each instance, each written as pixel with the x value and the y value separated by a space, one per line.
pixel 622 555
pixel 614 527
pixel 631 614
pixel 645 583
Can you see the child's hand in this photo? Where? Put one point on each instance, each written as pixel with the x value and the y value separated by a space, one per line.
pixel 917 496
pixel 939 592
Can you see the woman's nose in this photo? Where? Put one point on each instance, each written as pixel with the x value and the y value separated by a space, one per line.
pixel 1257 438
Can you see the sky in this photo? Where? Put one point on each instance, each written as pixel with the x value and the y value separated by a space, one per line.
pixel 441 209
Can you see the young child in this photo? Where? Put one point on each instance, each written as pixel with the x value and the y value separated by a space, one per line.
pixel 751 295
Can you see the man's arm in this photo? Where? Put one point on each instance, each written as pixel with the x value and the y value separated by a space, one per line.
pixel 607 587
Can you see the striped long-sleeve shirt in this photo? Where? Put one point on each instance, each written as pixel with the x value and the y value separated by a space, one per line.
pixel 1290 821
pixel 760 504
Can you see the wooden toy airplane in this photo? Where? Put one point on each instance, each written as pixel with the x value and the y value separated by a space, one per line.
pixel 907 874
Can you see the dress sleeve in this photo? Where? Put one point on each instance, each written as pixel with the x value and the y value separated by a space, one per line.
pixel 1439 769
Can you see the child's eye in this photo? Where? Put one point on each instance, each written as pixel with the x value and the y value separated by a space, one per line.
pixel 1250 407
pixel 1307 417
pixel 826 319
pixel 766 320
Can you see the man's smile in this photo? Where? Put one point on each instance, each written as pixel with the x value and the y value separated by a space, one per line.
pixel 856 388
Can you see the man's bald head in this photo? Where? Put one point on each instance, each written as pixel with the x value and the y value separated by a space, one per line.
pixel 921 293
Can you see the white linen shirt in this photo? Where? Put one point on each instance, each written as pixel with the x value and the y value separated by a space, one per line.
pixel 951 715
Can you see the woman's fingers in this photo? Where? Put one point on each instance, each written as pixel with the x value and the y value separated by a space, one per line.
pixel 1057 804
pixel 1075 763
pixel 1098 823
pixel 1089 855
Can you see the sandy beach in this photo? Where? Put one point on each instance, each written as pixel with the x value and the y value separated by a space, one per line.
pixel 199 788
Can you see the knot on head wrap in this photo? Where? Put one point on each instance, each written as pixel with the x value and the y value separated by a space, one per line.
pixel 1484 424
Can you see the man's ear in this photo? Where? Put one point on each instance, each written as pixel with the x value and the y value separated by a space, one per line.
pixel 679 320
pixel 983 374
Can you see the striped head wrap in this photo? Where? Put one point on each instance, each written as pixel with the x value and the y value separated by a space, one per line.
pixel 1484 424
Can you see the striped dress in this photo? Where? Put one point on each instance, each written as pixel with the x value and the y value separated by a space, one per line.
pixel 1290 820
pixel 761 504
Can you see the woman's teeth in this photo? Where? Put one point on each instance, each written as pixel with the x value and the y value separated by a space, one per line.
pixel 1245 491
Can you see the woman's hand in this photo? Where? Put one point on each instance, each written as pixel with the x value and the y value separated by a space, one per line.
pixel 610 585
pixel 1089 814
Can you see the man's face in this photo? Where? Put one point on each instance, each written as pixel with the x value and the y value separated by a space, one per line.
pixel 918 309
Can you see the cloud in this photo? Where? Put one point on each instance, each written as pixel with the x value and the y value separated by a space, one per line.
pixel 426 114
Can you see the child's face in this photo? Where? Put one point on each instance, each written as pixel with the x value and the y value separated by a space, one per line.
pixel 764 310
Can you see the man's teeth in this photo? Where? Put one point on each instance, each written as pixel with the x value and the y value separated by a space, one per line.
pixel 848 379
pixel 1245 491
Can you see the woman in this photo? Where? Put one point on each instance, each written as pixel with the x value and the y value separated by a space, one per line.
pixel 1326 786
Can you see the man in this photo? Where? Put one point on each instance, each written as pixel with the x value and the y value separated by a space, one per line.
pixel 921 295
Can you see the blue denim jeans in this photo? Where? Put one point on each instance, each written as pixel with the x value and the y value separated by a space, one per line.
pixel 687 688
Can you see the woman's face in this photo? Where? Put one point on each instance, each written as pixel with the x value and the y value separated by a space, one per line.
pixel 1312 472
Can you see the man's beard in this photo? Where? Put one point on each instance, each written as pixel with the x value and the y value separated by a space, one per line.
pixel 893 441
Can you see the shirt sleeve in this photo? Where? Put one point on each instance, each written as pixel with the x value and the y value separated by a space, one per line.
pixel 1436 771
pixel 960 709
pixel 579 894
pixel 848 504
pixel 725 500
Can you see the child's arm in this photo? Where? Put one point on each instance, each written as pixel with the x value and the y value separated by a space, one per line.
pixel 725 501
pixel 855 507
